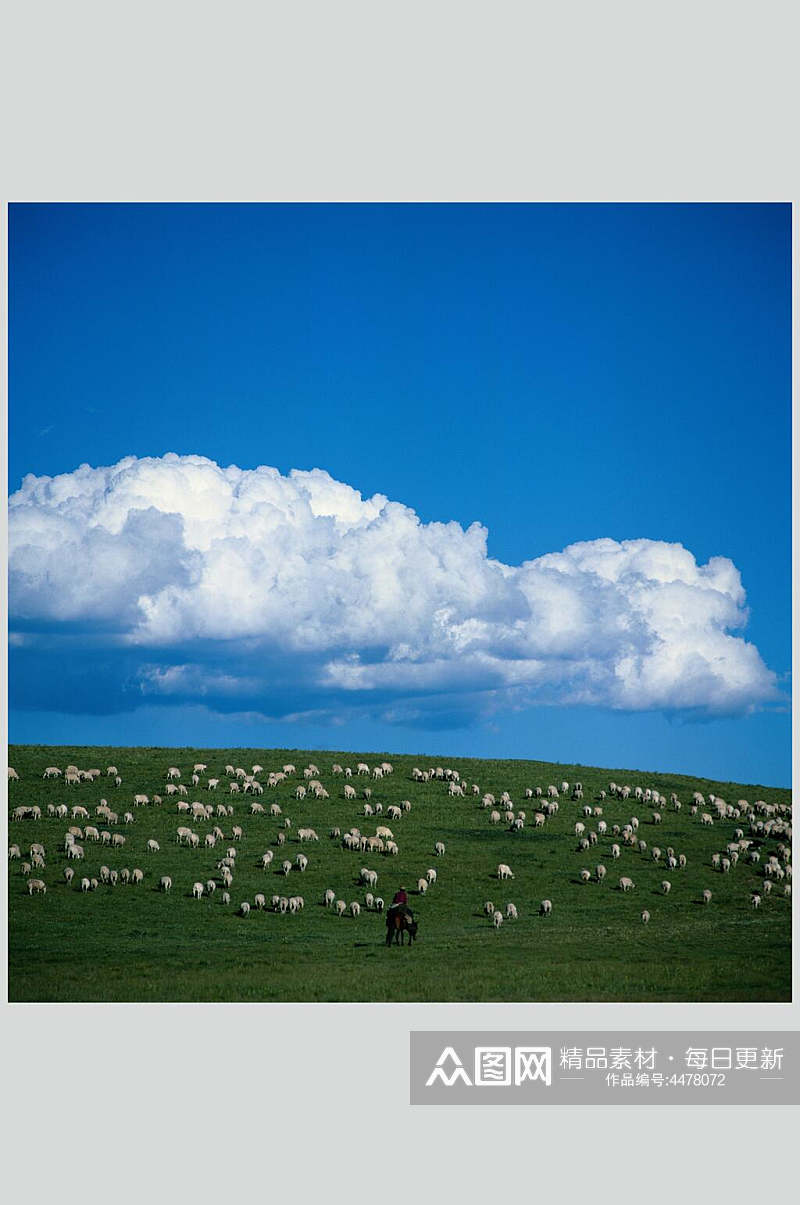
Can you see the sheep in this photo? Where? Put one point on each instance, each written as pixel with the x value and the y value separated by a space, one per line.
pixel 615 851
pixel 349 792
pixel 118 839
pixel 666 886
pixel 236 833
pixel 546 907
pixel 355 908
pixel 14 851
pixel 286 867
pixel 431 875
pixel 726 865
pixel 197 890
pixel 49 772
pixel 511 911
pixel 69 874
pixel 626 884
pixel 585 876
pixel 494 817
pixel 755 900
pixel 497 919
pixel 645 917
pixel 706 896
pixel 379 904
pixel 113 877
pixel 86 884
pixel 329 897
pixel 422 886
pixel 766 886
pixel 267 858
pixel 504 871
pixel 301 861
pixel 244 908
pixel 296 903
pixel 600 872
pixel 340 907
pixel 260 901
pixel 36 886
pixel 488 907
pixel 152 846
pixel 281 839
pixel 137 875
pixel 125 875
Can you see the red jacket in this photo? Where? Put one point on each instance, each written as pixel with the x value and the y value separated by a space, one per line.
pixel 400 898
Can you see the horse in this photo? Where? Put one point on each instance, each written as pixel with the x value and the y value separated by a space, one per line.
pixel 398 923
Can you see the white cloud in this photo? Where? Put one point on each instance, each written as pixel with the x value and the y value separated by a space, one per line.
pixel 247 585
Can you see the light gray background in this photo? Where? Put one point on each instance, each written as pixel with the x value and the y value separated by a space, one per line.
pixel 374 101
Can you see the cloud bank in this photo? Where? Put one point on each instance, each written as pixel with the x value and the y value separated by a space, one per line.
pixel 173 579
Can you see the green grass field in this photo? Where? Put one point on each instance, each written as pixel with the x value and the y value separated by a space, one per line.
pixel 134 943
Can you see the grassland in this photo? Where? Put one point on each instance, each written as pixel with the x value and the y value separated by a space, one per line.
pixel 127 943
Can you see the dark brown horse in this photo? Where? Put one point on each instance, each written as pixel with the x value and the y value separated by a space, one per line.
pixel 399 922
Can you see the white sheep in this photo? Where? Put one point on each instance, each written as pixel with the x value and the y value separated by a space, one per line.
pixel 244 908
pixel 497 919
pixel 755 900
pixel 431 875
pixel 600 872
pixel 666 886
pixel 355 908
pixel 706 896
pixel 511 911
pixel 626 884
pixel 197 890
pixel 422 886
pixel 340 908
pixel 546 907
pixel 438 849
pixel 645 917
pixel 504 871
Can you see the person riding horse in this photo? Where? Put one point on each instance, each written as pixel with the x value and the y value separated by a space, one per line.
pixel 400 918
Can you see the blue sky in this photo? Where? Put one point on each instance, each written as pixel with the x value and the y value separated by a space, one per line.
pixel 559 374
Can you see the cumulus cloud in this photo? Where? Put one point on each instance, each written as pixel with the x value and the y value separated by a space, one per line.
pixel 178 579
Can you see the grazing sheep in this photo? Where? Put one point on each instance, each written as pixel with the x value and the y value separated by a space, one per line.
pixel 706 896
pixel 755 900
pixel 197 890
pixel 355 908
pixel 36 886
pixel 504 871
pixel 645 917
pixel 497 919
pixel 546 907
pixel 379 904
pixel 585 875
pixel 244 908
pixel 86 885
pixel 137 875
pixel 615 851
pixel 666 886
pixel 600 872
pixel 431 875
pixel 422 886
pixel 69 874
pixel 438 849
pixel 488 907
pixel 301 861
pixel 152 846
pixel 286 866
pixel 626 884
pixel 511 911
pixel 267 858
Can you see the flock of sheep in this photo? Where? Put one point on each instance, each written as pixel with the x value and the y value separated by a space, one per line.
pixel 754 826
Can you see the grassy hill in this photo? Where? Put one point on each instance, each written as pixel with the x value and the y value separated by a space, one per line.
pixel 129 943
